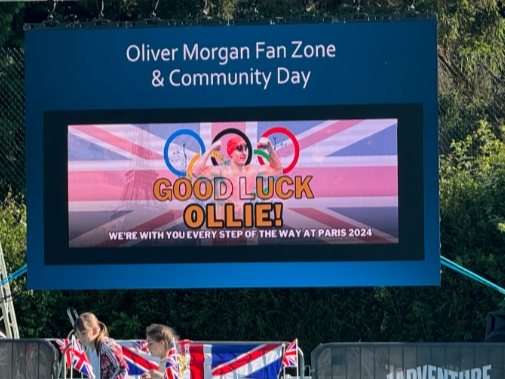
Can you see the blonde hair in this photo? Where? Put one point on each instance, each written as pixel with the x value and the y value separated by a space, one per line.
pixel 89 321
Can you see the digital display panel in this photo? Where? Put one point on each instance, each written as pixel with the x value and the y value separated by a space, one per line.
pixel 313 182
pixel 229 157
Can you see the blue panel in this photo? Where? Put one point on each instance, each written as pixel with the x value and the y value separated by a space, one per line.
pixel 294 127
pixel 381 143
pixel 80 149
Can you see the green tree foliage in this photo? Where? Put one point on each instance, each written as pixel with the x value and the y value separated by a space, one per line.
pixel 13 233
pixel 12 135
pixel 472 200
pixel 467 28
pixel 33 308
pixel 471 58
pixel 455 311
pixel 9 24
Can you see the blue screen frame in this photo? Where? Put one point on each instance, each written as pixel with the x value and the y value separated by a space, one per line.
pixel 374 63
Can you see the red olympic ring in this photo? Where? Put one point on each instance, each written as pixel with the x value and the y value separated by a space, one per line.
pixel 279 129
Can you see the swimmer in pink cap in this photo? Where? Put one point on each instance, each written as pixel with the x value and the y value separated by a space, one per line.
pixel 238 174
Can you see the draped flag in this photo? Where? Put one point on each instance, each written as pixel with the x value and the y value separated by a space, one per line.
pixel 197 360
pixel 290 358
pixel 172 371
pixel 136 355
pixel 232 361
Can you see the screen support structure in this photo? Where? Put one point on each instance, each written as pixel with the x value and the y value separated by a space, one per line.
pixel 6 303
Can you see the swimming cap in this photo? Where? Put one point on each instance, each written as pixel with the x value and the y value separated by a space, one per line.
pixel 233 143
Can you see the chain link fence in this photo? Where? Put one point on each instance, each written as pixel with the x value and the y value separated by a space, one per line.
pixel 471 90
pixel 12 124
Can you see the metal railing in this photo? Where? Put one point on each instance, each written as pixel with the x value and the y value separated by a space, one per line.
pixel 409 361
pixel 28 359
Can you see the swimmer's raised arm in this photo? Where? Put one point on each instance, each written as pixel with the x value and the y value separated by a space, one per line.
pixel 275 167
pixel 199 169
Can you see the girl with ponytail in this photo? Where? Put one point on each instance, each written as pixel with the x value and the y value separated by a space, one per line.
pixel 105 355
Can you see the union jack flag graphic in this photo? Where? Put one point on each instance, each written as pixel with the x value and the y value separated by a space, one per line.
pixel 79 359
pixel 112 169
pixel 232 361
pixel 172 370
pixel 136 355
pixel 62 344
pixel 208 360
pixel 290 358
pixel 141 345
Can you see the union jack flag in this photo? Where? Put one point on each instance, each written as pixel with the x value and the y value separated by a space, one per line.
pixel 223 361
pixel 233 361
pixel 112 169
pixel 141 345
pixel 290 358
pixel 172 371
pixel 62 344
pixel 208 360
pixel 79 359
pixel 138 359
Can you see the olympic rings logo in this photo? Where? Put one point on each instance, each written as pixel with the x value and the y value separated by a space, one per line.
pixel 215 155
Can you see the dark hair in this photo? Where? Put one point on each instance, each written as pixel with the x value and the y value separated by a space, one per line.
pixel 160 332
pixel 88 321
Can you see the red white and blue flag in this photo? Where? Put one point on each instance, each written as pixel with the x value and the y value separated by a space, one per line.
pixel 232 361
pixel 210 361
pixel 141 345
pixel 172 370
pixel 136 355
pixel 80 360
pixel 290 358
pixel 62 344
pixel 112 169
pixel 77 358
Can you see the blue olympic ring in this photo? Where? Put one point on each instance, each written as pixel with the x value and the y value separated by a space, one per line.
pixel 178 133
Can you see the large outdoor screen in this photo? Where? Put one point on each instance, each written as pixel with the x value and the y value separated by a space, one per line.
pixel 135 184
pixel 232 164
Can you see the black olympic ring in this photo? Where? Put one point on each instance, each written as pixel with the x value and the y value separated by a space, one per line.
pixel 244 137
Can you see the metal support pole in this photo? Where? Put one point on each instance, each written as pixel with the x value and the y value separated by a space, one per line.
pixel 8 313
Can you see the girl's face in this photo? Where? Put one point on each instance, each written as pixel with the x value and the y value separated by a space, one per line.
pixel 87 335
pixel 157 349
